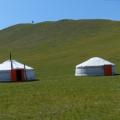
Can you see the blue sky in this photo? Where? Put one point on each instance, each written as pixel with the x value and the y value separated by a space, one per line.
pixel 24 11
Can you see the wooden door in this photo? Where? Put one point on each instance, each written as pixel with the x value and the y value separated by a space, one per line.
pixel 107 70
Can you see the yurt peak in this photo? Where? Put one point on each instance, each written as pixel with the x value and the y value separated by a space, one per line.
pixel 95 61
pixel 9 61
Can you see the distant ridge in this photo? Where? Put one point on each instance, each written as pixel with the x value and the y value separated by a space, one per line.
pixel 58 30
pixel 62 20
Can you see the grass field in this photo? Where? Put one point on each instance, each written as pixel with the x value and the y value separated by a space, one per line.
pixel 53 49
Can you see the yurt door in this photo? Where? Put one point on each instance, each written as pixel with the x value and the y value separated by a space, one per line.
pixel 17 75
pixel 20 75
pixel 107 70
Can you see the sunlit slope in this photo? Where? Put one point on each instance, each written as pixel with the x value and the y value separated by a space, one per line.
pixel 54 48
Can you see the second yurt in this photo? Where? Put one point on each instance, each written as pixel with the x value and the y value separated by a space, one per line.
pixel 95 66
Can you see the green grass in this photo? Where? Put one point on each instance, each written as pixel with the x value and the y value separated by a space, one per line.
pixel 53 49
pixel 91 98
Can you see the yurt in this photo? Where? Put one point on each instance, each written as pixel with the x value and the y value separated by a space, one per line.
pixel 95 66
pixel 11 70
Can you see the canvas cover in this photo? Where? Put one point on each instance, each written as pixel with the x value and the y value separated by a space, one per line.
pixel 95 61
pixel 16 65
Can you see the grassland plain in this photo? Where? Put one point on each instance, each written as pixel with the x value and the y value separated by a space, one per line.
pixel 53 49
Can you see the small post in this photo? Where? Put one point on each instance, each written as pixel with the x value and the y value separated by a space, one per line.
pixel 11 61
pixel 25 72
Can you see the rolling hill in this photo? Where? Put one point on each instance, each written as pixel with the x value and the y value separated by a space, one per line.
pixel 53 49
pixel 62 44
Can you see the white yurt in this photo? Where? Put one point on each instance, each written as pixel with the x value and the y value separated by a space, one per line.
pixel 95 66
pixel 12 70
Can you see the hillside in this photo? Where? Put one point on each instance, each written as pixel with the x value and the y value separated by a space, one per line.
pixel 62 44
pixel 53 49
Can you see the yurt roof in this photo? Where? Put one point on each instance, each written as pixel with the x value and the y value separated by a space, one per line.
pixel 95 61
pixel 16 65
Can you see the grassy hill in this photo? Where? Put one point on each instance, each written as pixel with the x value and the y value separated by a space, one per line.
pixel 53 49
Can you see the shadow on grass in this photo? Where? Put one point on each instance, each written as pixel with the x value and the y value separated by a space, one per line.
pixel 25 81
pixel 117 74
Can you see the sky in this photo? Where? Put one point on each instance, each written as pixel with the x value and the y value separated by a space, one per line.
pixel 14 12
